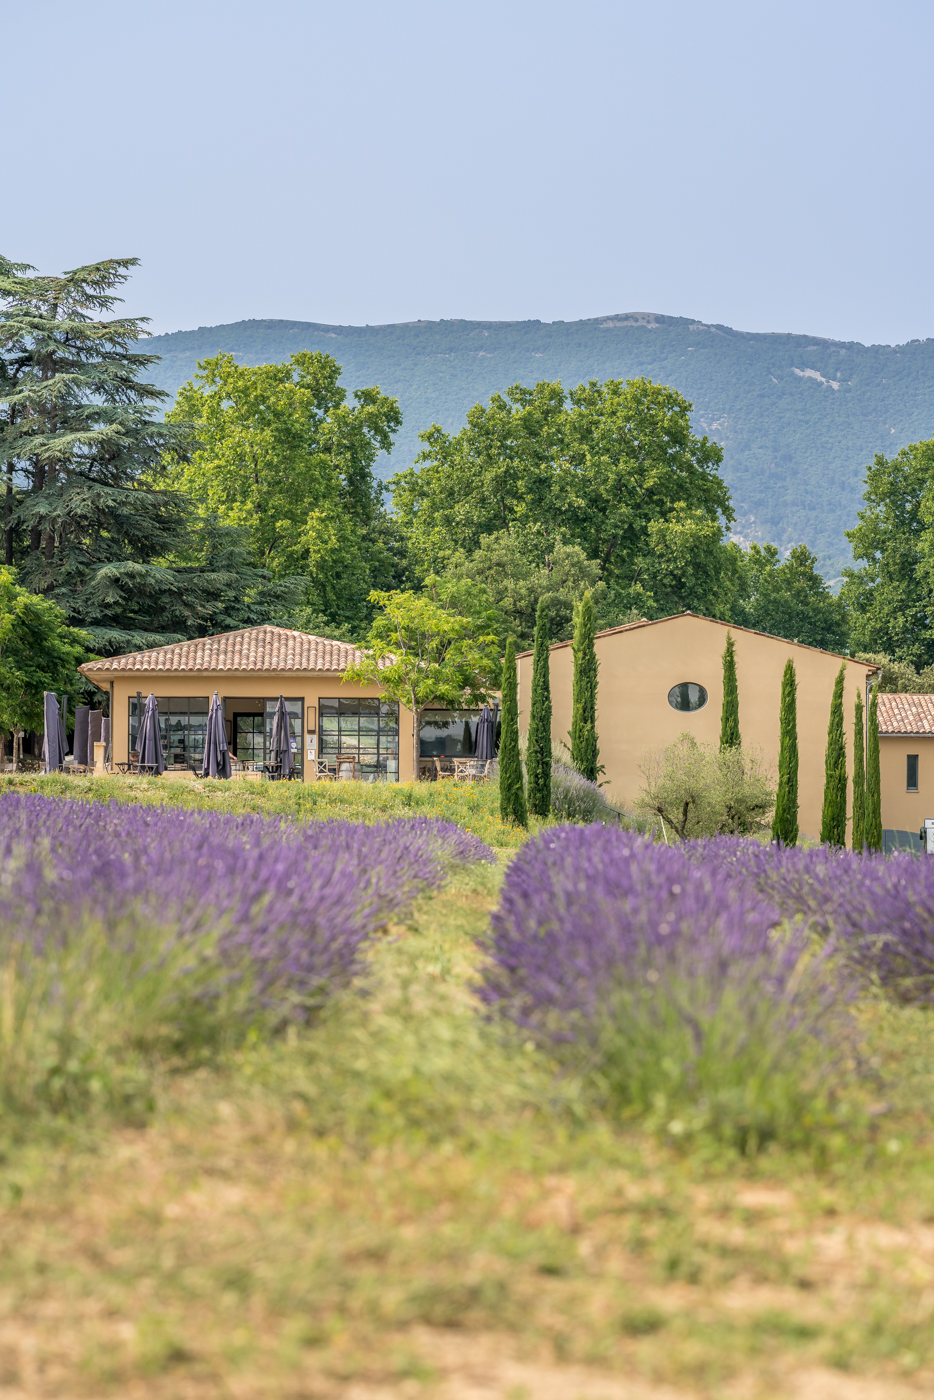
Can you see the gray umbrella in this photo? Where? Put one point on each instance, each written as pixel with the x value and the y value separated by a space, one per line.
pixel 149 740
pixel 280 745
pixel 63 729
pixel 51 743
pixel 82 725
pixel 216 751
pixel 485 748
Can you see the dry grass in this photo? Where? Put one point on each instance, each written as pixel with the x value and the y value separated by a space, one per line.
pixel 399 1205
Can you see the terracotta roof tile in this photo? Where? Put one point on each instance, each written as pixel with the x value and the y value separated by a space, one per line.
pixel 256 649
pixel 906 714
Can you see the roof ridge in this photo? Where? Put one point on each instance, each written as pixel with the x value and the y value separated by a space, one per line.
pixel 264 647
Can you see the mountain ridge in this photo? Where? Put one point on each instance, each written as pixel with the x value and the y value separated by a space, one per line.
pixel 799 417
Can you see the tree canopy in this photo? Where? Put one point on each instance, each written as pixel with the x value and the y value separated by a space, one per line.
pixel 613 469
pixel 87 518
pixel 38 652
pixel 789 598
pixel 281 453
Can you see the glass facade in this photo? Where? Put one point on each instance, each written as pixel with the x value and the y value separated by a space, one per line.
pixel 183 722
pixel 247 741
pixel 448 733
pixel 367 728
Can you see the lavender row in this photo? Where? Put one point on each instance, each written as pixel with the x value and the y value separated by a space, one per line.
pixel 290 907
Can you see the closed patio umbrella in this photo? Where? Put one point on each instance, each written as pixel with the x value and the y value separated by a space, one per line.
pixel 149 740
pixel 95 732
pixel 485 746
pixel 82 726
pixel 52 754
pixel 216 751
pixel 280 745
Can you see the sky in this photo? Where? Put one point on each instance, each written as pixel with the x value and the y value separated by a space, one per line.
pixel 759 165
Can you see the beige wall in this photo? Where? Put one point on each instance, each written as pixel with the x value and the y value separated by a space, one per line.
pixel 249 686
pixel 638 667
pixel 901 809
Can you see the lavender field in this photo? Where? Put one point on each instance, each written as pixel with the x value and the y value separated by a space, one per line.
pixel 314 1108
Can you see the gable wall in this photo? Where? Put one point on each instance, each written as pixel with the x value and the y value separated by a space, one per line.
pixel 639 666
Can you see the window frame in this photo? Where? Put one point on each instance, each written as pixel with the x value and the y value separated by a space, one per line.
pixel 916 758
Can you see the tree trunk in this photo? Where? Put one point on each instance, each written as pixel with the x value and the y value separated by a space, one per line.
pixel 416 728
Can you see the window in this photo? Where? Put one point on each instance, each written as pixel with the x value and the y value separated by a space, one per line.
pixel 448 733
pixel 367 728
pixel 183 722
pixel 912 775
pixel 248 737
pixel 687 695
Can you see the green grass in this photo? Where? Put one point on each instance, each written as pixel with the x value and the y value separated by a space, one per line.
pixel 375 1205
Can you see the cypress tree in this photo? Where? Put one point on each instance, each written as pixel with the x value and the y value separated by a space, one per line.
pixel 539 750
pixel 729 715
pixel 785 821
pixel 833 817
pixel 584 751
pixel 511 789
pixel 873 832
pixel 858 837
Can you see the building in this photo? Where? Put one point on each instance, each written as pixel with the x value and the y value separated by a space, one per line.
pixel 250 669
pixel 906 762
pixel 658 680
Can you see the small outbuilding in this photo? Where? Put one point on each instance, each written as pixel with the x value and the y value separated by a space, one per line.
pixel 660 679
pixel 906 762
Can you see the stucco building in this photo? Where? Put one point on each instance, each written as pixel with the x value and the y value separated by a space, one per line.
pixel 658 680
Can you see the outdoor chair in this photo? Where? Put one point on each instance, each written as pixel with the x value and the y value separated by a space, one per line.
pixel 478 768
pixel 322 771
pixel 447 767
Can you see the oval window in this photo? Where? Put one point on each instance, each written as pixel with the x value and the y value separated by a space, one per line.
pixel 687 695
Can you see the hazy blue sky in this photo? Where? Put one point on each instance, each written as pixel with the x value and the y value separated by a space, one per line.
pixel 763 165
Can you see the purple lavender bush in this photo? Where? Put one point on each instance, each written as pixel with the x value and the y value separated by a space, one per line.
pixel 878 909
pixel 672 981
pixel 122 918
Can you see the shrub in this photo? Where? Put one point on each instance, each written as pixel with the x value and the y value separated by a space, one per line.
pixel 668 979
pixel 576 799
pixel 131 931
pixel 698 790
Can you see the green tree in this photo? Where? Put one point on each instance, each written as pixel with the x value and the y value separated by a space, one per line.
pixel 512 807
pixel 538 757
pixel 282 454
pixel 87 520
pixel 437 647
pixel 858 834
pixel 889 596
pixel 38 652
pixel 833 816
pixel 789 598
pixel 873 778
pixel 613 468
pixel 785 821
pixel 698 790
pixel 729 713
pixel 585 753
pixel 519 570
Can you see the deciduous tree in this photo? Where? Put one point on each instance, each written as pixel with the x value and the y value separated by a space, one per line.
pixel 436 647
pixel 789 598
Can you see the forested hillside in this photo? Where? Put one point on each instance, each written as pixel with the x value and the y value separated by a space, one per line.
pixel 798 417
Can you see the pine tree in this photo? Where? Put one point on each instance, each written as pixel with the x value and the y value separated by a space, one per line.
pixel 858 836
pixel 585 753
pixel 785 821
pixel 539 750
pixel 873 779
pixel 85 522
pixel 729 715
pixel 512 806
pixel 833 817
